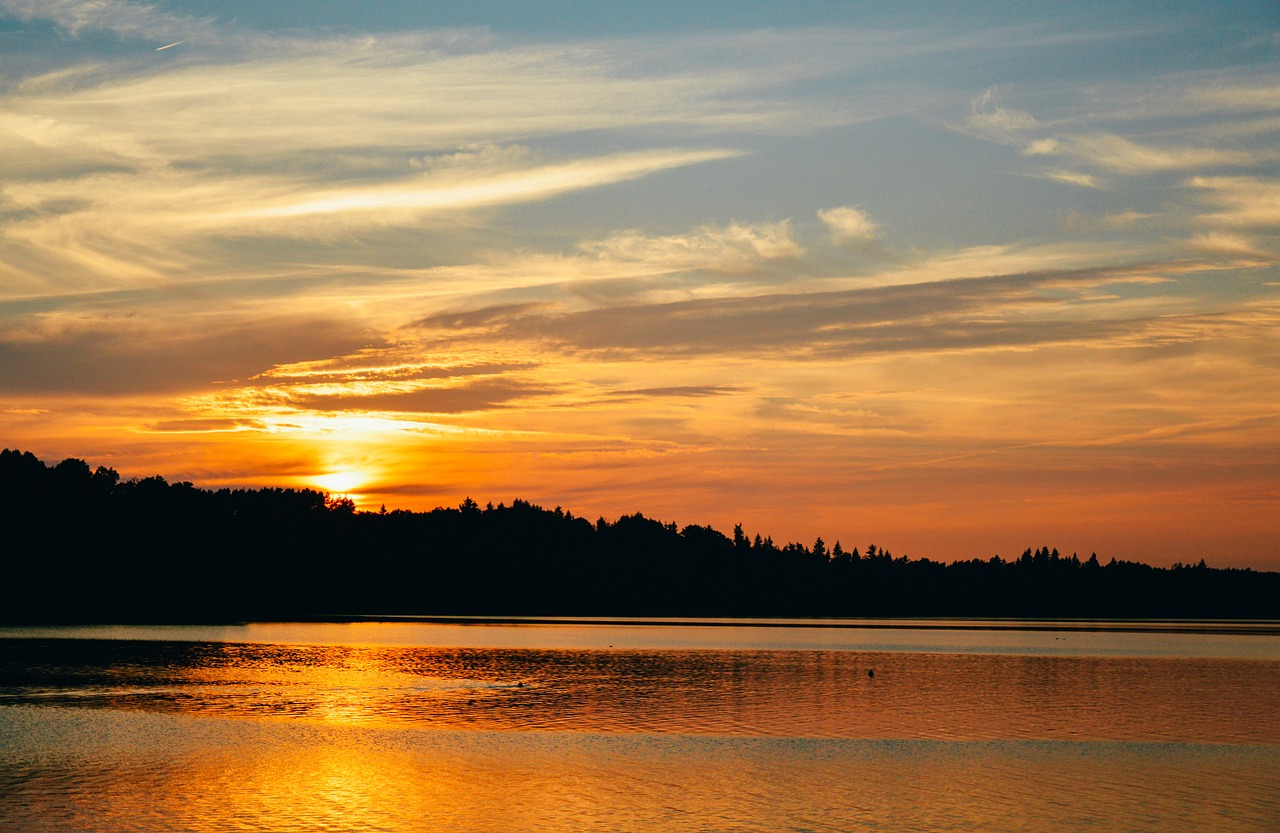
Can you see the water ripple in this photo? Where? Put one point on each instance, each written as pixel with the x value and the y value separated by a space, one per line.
pixel 820 694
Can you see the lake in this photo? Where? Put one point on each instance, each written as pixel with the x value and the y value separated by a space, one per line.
pixel 674 725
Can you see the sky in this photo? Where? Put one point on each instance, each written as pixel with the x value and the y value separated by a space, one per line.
pixel 953 279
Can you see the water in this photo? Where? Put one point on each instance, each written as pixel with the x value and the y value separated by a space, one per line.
pixel 671 726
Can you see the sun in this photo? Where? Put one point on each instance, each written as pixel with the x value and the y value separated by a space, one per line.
pixel 340 482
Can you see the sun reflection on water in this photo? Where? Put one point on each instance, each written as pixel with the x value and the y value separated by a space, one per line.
pixel 202 736
pixel 744 693
pixel 151 773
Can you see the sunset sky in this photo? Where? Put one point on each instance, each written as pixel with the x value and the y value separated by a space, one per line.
pixel 956 279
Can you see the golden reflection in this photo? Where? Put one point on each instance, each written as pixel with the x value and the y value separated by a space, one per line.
pixel 362 737
pixel 152 773
pixel 813 694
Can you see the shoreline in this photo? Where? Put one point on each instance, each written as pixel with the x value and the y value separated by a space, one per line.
pixel 1236 627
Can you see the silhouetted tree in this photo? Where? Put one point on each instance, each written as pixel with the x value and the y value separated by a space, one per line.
pixel 83 545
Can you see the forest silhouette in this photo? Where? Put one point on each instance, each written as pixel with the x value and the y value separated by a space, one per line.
pixel 81 545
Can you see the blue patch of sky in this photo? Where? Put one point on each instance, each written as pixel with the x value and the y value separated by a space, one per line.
pixel 926 186
pixel 1138 35
pixel 1205 24
pixel 544 19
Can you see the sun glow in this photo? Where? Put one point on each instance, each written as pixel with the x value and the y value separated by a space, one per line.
pixel 340 482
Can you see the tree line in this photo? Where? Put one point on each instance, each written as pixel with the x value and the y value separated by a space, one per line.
pixel 80 544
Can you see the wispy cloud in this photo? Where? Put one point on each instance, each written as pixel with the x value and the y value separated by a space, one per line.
pixel 732 249
pixel 1076 178
pixel 849 224
pixel 991 120
pixel 1238 110
pixel 126 18
pixel 1191 96
pixel 677 391
pixel 114 176
pixel 1077 220
pixel 1124 156
pixel 258 103
pixel 1247 202
pixel 1238 247
pixel 126 227
pixel 434 399
pixel 114 355
pixel 1013 258
pixel 503 189
pixel 1008 312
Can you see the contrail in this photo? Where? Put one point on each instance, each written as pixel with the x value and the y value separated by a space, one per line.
pixel 170 46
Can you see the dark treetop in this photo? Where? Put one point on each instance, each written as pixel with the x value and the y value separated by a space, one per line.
pixel 80 545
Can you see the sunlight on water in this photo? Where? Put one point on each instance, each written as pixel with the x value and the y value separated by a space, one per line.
pixel 801 693
pixel 165 734
pixel 1243 640
pixel 150 772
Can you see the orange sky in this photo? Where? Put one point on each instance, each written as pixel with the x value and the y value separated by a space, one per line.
pixel 956 286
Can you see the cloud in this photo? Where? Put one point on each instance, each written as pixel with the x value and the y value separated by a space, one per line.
pixel 1041 147
pixel 501 189
pixel 120 17
pixel 121 355
pixel 205 426
pixel 1116 153
pixel 125 229
pixel 1015 258
pixel 115 175
pixel 1075 178
pixel 733 248
pixel 1248 202
pixel 1121 155
pixel 677 392
pixel 437 94
pixel 1080 221
pixel 1231 246
pixel 471 396
pixel 1126 218
pixel 1189 95
pixel 475 319
pixel 998 313
pixel 140 172
pixel 400 364
pixel 1200 127
pixel 848 224
pixel 625 267
pixel 989 120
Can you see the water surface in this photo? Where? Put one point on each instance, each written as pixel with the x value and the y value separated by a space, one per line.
pixel 671 726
